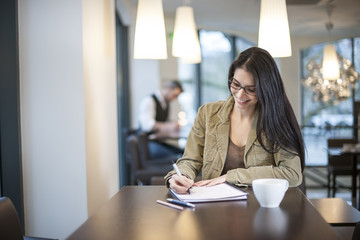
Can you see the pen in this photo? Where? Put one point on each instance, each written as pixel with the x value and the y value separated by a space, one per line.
pixel 180 202
pixel 170 205
pixel 179 173
pixel 177 170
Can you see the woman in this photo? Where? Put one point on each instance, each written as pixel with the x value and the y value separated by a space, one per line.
pixel 253 134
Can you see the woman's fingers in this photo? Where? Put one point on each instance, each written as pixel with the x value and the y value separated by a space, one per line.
pixel 202 183
pixel 180 184
pixel 211 182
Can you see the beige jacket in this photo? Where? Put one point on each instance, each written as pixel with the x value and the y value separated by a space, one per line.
pixel 207 146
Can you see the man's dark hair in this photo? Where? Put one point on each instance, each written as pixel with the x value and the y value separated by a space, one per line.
pixel 175 84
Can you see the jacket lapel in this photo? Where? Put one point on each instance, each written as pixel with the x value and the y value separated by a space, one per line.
pixel 252 135
pixel 222 139
pixel 223 128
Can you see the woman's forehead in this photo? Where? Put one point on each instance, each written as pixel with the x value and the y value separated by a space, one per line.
pixel 243 77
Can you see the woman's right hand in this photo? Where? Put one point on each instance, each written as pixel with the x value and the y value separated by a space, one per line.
pixel 180 184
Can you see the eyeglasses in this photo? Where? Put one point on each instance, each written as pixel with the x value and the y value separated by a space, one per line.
pixel 250 90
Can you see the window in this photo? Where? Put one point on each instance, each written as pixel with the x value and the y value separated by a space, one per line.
pixel 216 58
pixel 357 66
pixel 325 120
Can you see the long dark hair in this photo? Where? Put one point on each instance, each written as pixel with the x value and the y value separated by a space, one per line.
pixel 276 118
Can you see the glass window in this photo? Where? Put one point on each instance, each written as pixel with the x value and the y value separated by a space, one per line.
pixel 216 58
pixel 324 120
pixel 187 76
pixel 357 66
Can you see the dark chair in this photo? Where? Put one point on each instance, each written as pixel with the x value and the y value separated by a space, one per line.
pixel 338 165
pixel 10 224
pixel 140 171
pixel 146 159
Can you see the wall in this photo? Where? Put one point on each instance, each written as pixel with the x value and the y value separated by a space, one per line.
pixel 102 163
pixel 68 112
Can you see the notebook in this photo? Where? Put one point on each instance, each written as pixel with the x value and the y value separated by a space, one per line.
pixel 220 192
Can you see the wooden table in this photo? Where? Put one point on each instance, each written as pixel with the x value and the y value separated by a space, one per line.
pixel 336 211
pixel 133 214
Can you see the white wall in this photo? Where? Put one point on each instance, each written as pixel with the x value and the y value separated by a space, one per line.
pixel 100 101
pixel 68 112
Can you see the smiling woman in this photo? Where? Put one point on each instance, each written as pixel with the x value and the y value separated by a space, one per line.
pixel 252 134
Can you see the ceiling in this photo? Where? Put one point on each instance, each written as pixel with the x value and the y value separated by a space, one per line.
pixel 306 17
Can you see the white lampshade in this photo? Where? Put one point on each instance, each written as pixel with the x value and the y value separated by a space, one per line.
pixel 150 36
pixel 196 58
pixel 331 67
pixel 186 41
pixel 274 35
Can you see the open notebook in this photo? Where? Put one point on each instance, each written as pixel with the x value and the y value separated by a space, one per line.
pixel 220 192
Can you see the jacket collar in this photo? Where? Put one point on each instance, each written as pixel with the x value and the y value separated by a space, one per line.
pixel 225 110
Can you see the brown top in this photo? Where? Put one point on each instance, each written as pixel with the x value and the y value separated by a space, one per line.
pixel 234 158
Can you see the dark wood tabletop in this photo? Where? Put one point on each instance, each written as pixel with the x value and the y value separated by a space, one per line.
pixel 133 214
pixel 336 211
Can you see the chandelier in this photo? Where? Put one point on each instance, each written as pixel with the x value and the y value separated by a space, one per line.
pixel 331 90
pixel 333 80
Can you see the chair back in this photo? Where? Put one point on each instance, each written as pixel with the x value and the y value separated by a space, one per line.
pixel 144 151
pixel 339 142
pixel 132 156
pixel 339 161
pixel 9 221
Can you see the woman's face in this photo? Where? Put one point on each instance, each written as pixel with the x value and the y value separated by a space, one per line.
pixel 243 90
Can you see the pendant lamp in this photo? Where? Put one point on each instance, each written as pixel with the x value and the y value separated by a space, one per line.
pixel 186 44
pixel 274 35
pixel 330 64
pixel 150 36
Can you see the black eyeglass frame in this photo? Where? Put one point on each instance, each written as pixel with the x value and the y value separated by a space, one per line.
pixel 238 87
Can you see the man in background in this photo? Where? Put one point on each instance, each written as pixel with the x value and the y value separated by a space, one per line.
pixel 157 118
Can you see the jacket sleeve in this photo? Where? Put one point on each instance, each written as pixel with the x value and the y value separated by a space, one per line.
pixel 287 166
pixel 191 162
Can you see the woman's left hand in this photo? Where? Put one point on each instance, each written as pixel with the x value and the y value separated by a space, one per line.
pixel 211 182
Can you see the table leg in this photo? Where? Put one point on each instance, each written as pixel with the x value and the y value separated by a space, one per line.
pixel 353 179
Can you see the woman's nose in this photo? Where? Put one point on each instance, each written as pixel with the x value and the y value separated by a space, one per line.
pixel 240 92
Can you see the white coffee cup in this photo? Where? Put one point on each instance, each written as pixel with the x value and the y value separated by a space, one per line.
pixel 269 191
